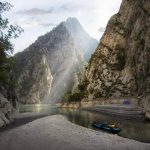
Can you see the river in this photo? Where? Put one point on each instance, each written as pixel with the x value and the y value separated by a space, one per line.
pixel 139 131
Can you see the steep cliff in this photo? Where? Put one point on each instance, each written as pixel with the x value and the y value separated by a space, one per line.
pixel 33 77
pixel 45 70
pixel 7 101
pixel 120 67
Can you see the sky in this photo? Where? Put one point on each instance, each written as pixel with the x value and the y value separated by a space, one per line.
pixel 38 17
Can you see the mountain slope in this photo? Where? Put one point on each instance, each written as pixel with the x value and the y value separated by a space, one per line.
pixel 46 68
pixel 86 42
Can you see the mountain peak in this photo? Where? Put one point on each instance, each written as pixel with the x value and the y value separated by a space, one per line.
pixel 72 20
pixel 81 36
pixel 73 25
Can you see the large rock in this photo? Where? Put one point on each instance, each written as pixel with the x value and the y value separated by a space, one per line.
pixel 120 67
pixel 5 111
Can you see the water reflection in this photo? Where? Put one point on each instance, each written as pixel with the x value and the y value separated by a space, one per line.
pixel 134 130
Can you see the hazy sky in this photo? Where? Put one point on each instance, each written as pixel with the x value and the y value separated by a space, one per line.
pixel 37 17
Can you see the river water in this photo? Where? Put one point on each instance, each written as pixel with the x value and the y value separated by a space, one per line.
pixel 139 131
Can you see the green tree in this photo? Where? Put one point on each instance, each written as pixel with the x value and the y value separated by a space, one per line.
pixel 66 96
pixel 7 32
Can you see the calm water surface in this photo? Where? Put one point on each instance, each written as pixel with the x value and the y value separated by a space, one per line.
pixel 130 129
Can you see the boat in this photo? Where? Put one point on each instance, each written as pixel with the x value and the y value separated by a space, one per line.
pixel 109 128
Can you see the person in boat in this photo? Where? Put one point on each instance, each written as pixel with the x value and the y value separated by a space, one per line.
pixel 112 126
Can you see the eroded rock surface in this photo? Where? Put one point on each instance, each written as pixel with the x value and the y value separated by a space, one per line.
pixel 120 67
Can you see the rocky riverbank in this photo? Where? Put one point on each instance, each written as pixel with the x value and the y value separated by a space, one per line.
pixel 113 106
pixel 101 101
pixel 56 132
pixel 119 111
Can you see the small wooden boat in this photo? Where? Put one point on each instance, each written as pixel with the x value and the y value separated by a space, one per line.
pixel 109 128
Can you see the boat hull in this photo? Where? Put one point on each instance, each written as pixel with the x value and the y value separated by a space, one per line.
pixel 107 128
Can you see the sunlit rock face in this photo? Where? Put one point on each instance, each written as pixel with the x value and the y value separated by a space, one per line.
pixel 86 43
pixel 45 70
pixel 34 77
pixel 120 67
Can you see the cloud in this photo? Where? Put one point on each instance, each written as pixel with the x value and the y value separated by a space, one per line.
pixel 72 7
pixel 33 22
pixel 102 29
pixel 57 9
pixel 47 24
pixel 34 12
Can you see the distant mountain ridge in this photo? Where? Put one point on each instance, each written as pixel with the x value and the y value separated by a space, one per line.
pixel 46 69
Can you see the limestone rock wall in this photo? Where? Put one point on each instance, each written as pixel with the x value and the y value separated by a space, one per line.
pixel 34 78
pixel 120 67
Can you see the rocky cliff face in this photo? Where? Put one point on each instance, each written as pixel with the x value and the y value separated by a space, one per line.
pixel 120 67
pixel 7 101
pixel 45 70
pixel 34 77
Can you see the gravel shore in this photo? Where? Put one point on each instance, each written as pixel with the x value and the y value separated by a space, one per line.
pixel 57 133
